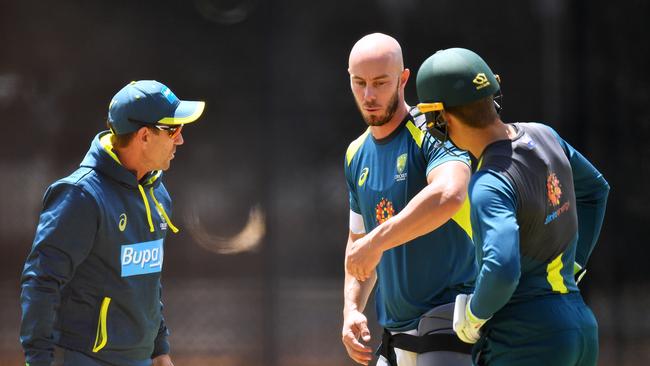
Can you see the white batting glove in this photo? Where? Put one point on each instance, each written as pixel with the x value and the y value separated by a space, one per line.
pixel 466 325
pixel 578 272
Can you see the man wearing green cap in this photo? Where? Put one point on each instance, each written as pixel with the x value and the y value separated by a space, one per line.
pixel 537 209
pixel 91 283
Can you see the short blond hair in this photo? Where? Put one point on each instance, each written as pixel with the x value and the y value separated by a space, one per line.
pixel 120 141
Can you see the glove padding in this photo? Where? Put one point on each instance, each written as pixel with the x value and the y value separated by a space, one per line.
pixel 578 272
pixel 466 325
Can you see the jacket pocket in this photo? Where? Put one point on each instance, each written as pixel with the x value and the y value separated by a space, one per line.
pixel 102 334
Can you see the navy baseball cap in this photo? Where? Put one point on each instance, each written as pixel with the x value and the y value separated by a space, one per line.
pixel 149 102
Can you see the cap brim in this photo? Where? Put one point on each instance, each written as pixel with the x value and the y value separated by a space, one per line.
pixel 186 112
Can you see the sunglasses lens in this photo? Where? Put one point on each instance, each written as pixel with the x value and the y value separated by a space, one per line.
pixel 175 131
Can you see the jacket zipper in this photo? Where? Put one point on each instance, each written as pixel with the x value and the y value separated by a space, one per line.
pixel 102 336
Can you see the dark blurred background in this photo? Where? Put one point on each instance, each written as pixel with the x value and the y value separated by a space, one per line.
pixel 279 117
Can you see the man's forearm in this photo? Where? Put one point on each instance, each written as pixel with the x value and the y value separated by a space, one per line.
pixel 428 210
pixel 356 294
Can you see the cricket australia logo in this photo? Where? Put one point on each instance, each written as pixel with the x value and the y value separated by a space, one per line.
pixel 384 210
pixel 401 165
pixel 163 223
pixel 142 258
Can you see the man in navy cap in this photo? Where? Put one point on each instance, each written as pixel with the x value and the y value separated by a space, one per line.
pixel 91 283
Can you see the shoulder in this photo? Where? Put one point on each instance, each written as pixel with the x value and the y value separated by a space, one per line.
pixel 85 179
pixel 538 128
pixel 354 146
pixel 486 185
pixel 69 192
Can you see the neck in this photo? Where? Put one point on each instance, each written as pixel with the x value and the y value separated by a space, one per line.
pixel 380 132
pixel 131 163
pixel 478 139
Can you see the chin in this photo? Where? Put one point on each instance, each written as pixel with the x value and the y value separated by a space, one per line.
pixel 375 120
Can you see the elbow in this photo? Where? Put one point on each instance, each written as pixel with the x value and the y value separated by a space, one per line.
pixel 454 199
pixel 506 273
pixel 605 188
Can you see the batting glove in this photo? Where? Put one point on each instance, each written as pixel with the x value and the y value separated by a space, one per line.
pixel 466 324
pixel 578 272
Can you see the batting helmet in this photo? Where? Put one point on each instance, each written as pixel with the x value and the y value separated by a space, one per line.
pixel 454 77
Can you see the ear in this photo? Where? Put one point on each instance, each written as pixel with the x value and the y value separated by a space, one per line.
pixel 143 135
pixel 447 117
pixel 404 77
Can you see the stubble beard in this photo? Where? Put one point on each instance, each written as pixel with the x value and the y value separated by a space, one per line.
pixel 373 120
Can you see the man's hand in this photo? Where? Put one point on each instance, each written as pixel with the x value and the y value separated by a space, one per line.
pixel 578 272
pixel 355 328
pixel 466 325
pixel 163 360
pixel 361 259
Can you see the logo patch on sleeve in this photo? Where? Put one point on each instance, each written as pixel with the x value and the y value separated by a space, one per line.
pixel 142 258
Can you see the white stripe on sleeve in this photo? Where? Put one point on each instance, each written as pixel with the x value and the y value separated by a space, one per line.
pixel 356 223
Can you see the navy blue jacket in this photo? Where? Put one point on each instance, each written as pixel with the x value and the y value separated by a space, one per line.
pixel 91 282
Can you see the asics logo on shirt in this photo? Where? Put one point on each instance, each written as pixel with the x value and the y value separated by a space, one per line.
pixel 363 176
pixel 122 224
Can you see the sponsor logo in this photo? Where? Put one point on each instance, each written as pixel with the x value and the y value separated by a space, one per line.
pixel 384 210
pixel 363 176
pixel 122 223
pixel 554 194
pixel 555 214
pixel 481 81
pixel 553 189
pixel 168 94
pixel 142 258
pixel 528 142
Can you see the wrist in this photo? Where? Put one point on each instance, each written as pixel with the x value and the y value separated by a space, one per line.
pixel 471 316
pixel 347 310
pixel 376 239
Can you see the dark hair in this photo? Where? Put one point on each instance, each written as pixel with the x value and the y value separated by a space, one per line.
pixel 476 114
pixel 120 141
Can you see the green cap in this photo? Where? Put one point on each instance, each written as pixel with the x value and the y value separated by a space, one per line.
pixel 454 77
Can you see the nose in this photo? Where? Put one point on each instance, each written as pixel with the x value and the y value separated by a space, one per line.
pixel 369 93
pixel 179 139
